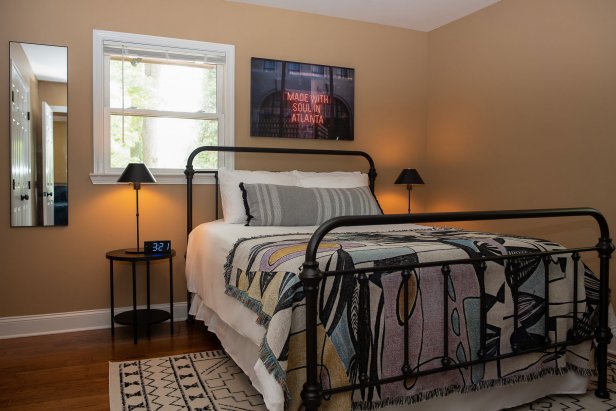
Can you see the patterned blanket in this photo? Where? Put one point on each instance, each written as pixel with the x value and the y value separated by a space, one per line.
pixel 262 273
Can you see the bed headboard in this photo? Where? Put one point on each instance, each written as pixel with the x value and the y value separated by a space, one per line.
pixel 190 172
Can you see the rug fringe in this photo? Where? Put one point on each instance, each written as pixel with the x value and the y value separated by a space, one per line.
pixel 443 392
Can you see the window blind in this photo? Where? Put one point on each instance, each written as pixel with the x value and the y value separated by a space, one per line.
pixel 131 50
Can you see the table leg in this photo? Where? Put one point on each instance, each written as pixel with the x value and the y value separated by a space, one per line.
pixel 147 269
pixel 111 293
pixel 171 291
pixel 134 303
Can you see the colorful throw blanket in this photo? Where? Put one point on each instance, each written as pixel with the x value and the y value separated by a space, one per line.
pixel 262 273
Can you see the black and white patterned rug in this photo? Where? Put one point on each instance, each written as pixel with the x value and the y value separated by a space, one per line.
pixel 212 381
pixel 207 380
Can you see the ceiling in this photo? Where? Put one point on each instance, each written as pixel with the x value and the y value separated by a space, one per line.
pixel 422 15
pixel 48 62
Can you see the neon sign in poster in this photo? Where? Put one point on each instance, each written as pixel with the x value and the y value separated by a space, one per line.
pixel 299 100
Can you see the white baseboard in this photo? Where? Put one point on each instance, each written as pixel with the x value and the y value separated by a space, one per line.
pixel 29 325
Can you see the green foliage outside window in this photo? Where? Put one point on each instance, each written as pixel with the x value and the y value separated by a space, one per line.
pixel 154 93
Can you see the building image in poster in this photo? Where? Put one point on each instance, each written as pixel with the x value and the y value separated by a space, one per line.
pixel 299 100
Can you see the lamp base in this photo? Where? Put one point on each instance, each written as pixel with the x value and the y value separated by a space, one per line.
pixel 134 251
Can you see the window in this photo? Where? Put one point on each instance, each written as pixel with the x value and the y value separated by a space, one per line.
pixel 342 72
pixel 155 100
pixel 319 70
pixel 294 67
pixel 269 65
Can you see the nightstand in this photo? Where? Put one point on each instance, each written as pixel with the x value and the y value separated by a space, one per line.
pixel 145 316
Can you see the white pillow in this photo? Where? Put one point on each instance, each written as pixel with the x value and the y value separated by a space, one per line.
pixel 232 202
pixel 334 179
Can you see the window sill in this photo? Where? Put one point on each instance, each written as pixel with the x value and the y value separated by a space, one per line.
pixel 160 179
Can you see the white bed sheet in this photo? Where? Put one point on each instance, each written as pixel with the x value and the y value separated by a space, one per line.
pixel 235 325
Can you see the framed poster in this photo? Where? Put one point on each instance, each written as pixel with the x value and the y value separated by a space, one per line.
pixel 299 100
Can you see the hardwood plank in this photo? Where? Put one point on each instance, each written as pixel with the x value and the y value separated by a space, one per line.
pixel 70 371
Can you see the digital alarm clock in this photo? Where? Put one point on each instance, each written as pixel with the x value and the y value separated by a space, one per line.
pixel 157 247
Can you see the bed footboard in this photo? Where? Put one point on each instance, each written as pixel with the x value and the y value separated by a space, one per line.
pixel 311 275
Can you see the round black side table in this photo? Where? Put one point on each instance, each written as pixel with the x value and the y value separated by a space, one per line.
pixel 147 316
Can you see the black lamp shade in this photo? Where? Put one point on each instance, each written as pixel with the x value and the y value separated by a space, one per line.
pixel 409 176
pixel 136 173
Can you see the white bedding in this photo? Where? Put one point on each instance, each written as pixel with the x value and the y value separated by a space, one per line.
pixel 237 328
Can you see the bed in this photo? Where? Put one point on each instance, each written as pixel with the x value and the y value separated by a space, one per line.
pixel 349 313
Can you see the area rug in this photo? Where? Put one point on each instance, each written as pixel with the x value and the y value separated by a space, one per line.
pixel 212 381
pixel 202 381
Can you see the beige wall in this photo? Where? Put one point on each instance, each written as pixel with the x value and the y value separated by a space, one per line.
pixel 522 112
pixel 55 94
pixel 60 269
pixel 497 110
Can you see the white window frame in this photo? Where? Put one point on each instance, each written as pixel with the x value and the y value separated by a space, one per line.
pixel 102 174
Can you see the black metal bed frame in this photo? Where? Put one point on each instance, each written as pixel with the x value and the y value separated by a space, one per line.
pixel 311 276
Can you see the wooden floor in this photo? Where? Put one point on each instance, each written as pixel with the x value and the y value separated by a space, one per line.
pixel 70 371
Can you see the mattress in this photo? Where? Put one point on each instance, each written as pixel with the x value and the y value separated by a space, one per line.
pixel 241 335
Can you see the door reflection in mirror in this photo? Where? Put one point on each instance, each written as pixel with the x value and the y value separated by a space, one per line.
pixel 38 135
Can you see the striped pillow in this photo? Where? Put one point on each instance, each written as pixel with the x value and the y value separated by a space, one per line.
pixel 276 205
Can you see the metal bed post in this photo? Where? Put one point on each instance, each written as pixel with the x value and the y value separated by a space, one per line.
pixel 445 271
pixel 189 172
pixel 603 333
pixel 312 390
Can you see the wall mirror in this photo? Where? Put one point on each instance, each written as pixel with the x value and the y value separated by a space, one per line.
pixel 38 135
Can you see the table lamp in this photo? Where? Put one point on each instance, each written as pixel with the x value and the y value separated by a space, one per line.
pixel 409 176
pixel 136 173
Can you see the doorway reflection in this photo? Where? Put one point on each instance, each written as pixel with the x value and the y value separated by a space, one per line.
pixel 39 137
